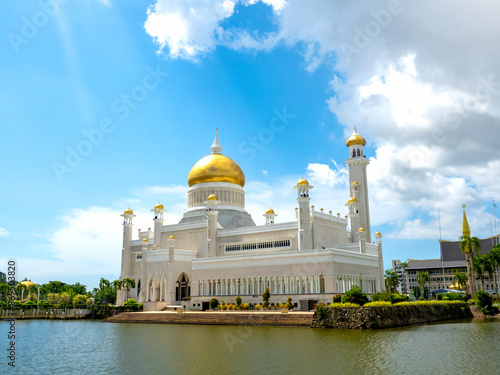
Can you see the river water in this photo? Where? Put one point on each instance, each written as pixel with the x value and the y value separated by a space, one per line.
pixel 93 347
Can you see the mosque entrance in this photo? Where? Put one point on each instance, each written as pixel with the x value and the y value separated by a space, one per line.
pixel 182 289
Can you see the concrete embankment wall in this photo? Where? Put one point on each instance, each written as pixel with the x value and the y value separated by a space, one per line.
pixel 390 316
pixel 216 318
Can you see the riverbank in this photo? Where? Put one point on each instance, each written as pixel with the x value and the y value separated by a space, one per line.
pixel 374 317
pixel 232 318
pixel 45 314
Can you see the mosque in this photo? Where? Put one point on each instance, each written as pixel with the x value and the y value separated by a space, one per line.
pixel 216 250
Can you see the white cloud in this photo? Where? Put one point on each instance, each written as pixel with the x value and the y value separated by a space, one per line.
pixel 189 29
pixel 4 232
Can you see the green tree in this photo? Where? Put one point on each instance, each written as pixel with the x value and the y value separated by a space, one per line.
pixel 79 288
pixel 416 292
pixel 461 279
pixel 265 297
pixel 3 278
pixel 214 302
pixel 103 283
pixel 391 280
pixel 423 278
pixel 495 260
pixel 4 291
pixel 117 284
pixel 355 295
pixel 481 265
pixel 128 283
pixel 470 246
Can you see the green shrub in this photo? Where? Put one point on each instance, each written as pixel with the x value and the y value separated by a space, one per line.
pixel 421 299
pixel 44 304
pixel 3 305
pixel 485 303
pixel 342 305
pixel 337 298
pixel 378 304
pixel 453 296
pixel 290 304
pixel 389 297
pixel 439 297
pixel 467 296
pixel 321 310
pixel 131 304
pixel 214 303
pixel 238 302
pixel 355 295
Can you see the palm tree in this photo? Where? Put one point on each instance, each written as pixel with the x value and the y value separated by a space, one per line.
pixel 422 279
pixel 461 279
pixel 117 284
pixel 495 259
pixel 391 280
pixel 79 288
pixel 485 264
pixel 103 283
pixel 128 283
pixel 470 246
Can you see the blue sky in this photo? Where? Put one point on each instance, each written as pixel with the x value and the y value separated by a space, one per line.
pixel 107 105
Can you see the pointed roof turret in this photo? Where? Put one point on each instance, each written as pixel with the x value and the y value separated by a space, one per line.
pixel 355 139
pixel 216 147
pixel 465 225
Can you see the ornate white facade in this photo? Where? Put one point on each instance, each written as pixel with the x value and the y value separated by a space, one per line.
pixel 217 250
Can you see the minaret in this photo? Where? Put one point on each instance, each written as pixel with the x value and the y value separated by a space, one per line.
pixel 127 215
pixel 212 202
pixel 158 220
pixel 305 235
pixel 381 279
pixel 358 181
pixel 270 215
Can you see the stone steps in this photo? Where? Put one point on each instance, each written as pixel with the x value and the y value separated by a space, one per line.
pixel 217 318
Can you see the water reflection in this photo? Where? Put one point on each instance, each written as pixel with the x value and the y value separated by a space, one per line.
pixel 91 347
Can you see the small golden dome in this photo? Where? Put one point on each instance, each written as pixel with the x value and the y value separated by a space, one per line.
pixel 159 206
pixel 171 238
pixel 212 197
pixel 361 229
pixel 330 211
pixel 128 211
pixel 270 211
pixel 216 168
pixel 355 139
pixel 145 240
pixel 378 234
pixel 303 182
pixel 338 213
pixel 27 283
pixel 355 183
pixel 352 200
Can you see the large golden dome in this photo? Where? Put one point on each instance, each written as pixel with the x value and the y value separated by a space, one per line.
pixel 216 168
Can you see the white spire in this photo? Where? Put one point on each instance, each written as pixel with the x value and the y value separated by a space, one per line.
pixel 216 147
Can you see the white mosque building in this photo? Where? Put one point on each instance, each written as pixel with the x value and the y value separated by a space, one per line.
pixel 216 250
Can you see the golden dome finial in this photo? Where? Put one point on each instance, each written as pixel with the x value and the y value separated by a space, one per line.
pixel 303 181
pixel 145 240
pixel 128 211
pixel 355 139
pixel 212 197
pixel 159 206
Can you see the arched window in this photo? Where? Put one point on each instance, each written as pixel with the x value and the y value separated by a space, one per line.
pixel 359 152
pixel 353 153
